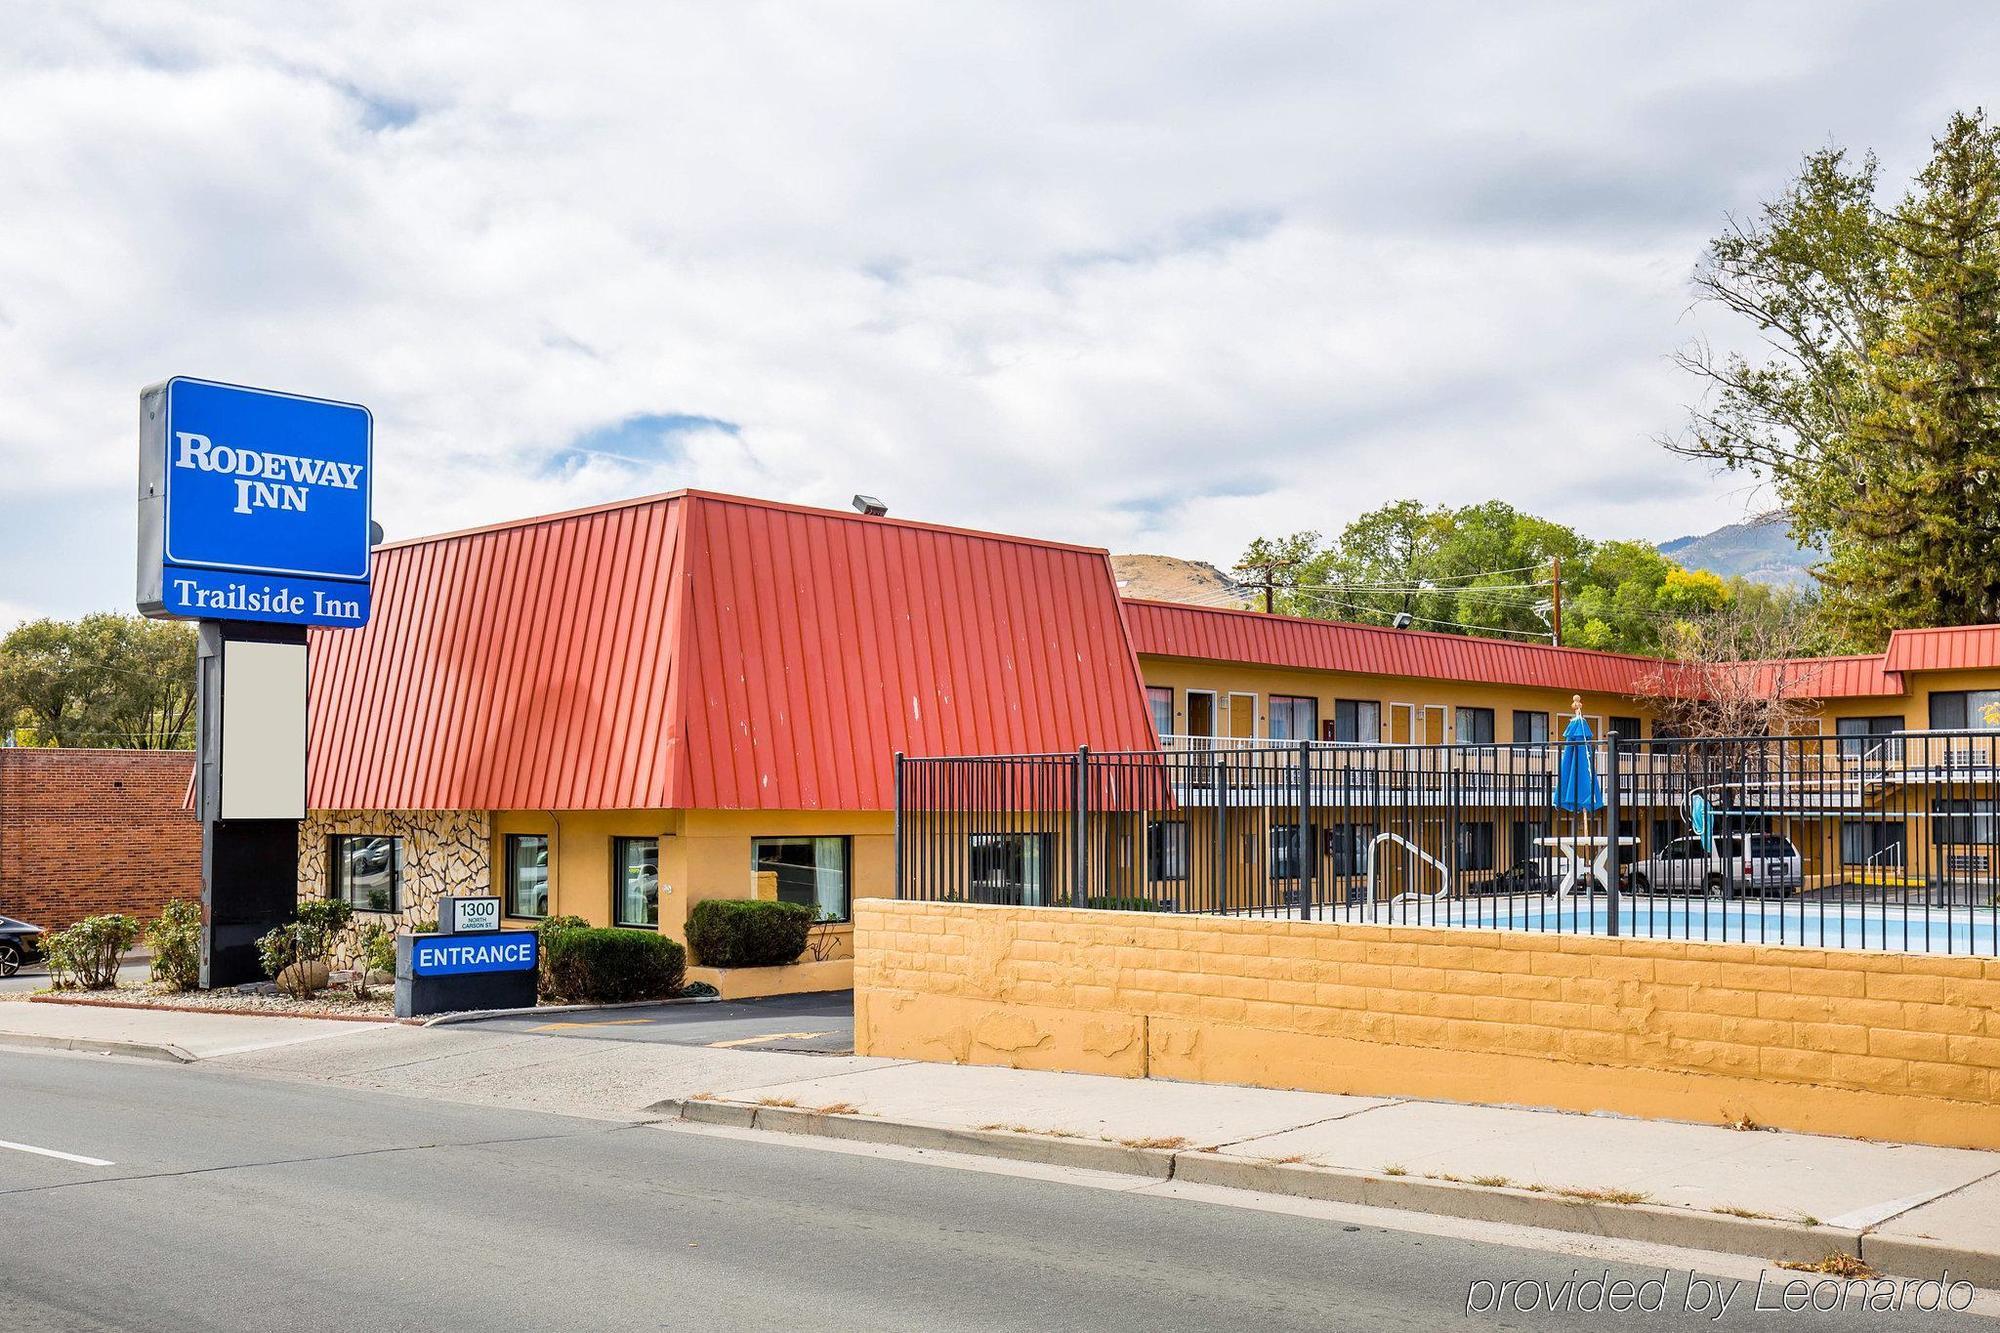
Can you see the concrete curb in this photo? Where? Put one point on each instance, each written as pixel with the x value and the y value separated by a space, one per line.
pixel 139 1050
pixel 1917 1254
pixel 481 1015
pixel 1763 1238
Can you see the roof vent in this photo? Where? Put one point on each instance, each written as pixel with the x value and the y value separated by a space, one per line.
pixel 869 505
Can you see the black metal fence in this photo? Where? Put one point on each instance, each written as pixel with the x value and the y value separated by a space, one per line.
pixel 1879 842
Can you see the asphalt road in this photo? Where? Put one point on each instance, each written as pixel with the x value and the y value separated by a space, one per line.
pixel 222 1202
pixel 816 1024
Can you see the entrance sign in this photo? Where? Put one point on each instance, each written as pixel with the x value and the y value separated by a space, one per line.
pixel 441 974
pixel 253 505
pixel 463 955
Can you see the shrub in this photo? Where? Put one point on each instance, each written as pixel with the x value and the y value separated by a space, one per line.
pixel 295 954
pixel 593 965
pixel 176 943
pixel 745 932
pixel 374 951
pixel 86 956
pixel 545 930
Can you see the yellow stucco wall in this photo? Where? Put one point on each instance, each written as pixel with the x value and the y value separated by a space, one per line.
pixel 1880 1045
pixel 1226 678
pixel 703 854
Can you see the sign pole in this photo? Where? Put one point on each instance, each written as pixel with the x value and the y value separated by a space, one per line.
pixel 249 867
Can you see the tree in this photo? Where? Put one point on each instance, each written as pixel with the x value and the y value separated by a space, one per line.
pixel 1485 569
pixel 108 681
pixel 1737 670
pixel 1877 414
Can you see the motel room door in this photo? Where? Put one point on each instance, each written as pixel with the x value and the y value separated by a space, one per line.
pixel 1242 717
pixel 1200 714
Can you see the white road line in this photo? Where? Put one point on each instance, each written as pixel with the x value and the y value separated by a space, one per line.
pixel 51 1152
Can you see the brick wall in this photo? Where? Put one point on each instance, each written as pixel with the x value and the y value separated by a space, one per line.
pixel 1883 1045
pixel 89 831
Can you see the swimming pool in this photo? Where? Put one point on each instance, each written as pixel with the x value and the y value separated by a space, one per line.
pixel 1806 922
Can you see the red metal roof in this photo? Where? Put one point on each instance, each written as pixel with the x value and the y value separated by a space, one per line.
pixel 1958 648
pixel 1170 629
pixel 710 652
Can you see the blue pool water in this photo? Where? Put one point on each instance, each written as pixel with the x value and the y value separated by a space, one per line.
pixel 1959 930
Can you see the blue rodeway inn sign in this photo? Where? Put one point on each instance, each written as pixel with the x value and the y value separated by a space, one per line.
pixel 253 505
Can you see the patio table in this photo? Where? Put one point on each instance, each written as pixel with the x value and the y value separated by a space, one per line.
pixel 1572 849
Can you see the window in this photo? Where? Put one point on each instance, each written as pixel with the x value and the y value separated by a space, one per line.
pixel 1854 732
pixel 1871 842
pixel 1347 848
pixel 1160 702
pixel 812 872
pixel 1285 851
pixel 1965 710
pixel 365 870
pixel 1010 868
pixel 1166 851
pixel 1475 846
pixel 635 881
pixel 1958 822
pixel 1475 726
pixel 527 874
pixel 1357 720
pixel 1531 728
pixel 1293 718
pixel 1629 728
pixel 1526 838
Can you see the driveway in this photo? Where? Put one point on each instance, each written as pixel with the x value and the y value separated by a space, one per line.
pixel 35 976
pixel 810 1024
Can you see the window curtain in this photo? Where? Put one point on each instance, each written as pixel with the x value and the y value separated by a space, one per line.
pixel 1032 887
pixel 830 877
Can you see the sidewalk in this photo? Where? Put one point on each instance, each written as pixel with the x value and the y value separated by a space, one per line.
pixel 1904 1209
pixel 158 1034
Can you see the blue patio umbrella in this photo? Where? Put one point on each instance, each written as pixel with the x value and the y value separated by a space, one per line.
pixel 1577 787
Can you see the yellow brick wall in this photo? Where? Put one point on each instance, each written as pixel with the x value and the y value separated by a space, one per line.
pixel 1879 1045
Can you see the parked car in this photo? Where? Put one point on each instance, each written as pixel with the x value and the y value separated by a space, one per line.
pixel 1756 863
pixel 19 943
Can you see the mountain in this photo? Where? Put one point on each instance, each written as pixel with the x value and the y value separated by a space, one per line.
pixel 1165 578
pixel 1759 549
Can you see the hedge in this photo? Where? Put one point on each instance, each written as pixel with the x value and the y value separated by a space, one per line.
pixel 745 932
pixel 599 965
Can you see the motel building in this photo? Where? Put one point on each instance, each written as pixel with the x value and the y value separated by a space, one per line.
pixel 619 711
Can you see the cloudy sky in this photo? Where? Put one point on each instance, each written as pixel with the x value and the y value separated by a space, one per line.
pixel 1158 277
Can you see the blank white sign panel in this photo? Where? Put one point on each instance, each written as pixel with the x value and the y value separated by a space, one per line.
pixel 263 730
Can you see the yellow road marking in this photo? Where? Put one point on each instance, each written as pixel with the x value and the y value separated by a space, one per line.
pixel 598 1023
pixel 775 1036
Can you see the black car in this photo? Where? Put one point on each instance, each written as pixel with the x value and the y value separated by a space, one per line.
pixel 19 943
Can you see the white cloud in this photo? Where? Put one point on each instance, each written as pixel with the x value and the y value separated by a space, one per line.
pixel 1155 277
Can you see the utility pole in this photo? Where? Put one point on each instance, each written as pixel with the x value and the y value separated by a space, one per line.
pixel 1556 600
pixel 1267 572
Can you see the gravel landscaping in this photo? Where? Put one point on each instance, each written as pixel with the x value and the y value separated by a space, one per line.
pixel 326 1004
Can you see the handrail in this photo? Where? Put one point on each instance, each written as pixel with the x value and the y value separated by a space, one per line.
pixel 1443 893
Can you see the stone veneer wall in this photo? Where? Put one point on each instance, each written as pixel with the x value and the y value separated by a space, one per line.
pixel 445 852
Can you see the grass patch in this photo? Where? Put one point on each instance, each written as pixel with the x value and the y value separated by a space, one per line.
pixel 1030 1129
pixel 776 1101
pixel 839 1108
pixel 1394 1170
pixel 1834 1265
pixel 1807 1220
pixel 1603 1195
pixel 1293 1160
pixel 1492 1182
pixel 1176 1141
pixel 1752 1213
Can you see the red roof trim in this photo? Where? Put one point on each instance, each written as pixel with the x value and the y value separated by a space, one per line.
pixel 1174 629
